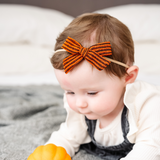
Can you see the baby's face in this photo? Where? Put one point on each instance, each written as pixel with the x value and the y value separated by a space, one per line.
pixel 93 93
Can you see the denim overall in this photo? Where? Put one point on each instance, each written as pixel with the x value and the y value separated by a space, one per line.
pixel 111 152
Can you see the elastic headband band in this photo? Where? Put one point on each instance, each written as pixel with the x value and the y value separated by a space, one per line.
pixel 112 60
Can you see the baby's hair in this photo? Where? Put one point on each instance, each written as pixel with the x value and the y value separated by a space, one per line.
pixel 105 28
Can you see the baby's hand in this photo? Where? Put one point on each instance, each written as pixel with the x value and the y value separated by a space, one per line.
pixel 49 152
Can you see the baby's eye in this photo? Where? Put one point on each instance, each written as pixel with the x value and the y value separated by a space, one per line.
pixel 92 93
pixel 68 92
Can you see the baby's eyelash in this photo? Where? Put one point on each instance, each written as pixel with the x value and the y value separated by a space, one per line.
pixel 69 92
pixel 89 93
pixel 92 93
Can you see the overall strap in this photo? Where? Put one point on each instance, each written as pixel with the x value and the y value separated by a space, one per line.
pixel 110 152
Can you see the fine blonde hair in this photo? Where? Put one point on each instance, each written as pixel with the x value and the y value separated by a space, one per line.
pixel 106 28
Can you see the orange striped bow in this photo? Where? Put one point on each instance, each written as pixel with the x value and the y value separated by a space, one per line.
pixel 94 54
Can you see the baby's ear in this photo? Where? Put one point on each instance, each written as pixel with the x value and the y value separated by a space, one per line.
pixel 132 73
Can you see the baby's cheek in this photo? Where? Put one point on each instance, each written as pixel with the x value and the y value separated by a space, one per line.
pixel 101 106
pixel 71 103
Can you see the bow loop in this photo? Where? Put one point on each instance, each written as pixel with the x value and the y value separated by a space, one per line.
pixel 72 46
pixel 94 54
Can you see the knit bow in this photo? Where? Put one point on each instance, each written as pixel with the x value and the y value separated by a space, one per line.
pixel 94 54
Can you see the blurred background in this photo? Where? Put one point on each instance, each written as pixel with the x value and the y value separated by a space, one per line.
pixel 31 105
pixel 29 28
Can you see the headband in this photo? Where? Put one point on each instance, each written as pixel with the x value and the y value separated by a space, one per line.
pixel 95 55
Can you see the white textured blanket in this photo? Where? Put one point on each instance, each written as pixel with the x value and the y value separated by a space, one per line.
pixel 28 116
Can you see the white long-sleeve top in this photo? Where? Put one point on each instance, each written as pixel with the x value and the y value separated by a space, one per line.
pixel 143 103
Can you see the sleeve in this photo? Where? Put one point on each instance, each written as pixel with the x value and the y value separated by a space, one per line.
pixel 147 143
pixel 72 132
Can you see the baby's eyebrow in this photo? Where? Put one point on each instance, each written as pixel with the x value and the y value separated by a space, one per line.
pixel 64 88
pixel 83 88
pixel 90 88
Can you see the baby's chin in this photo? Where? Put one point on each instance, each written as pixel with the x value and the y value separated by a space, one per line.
pixel 91 116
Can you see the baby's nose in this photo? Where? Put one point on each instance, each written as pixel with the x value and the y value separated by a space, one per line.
pixel 81 103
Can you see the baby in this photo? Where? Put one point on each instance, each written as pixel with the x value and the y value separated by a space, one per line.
pixel 109 115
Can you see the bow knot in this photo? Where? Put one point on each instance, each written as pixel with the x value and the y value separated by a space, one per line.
pixel 94 54
pixel 83 51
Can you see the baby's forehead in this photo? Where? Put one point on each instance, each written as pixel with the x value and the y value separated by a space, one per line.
pixel 86 73
pixel 83 72
pixel 86 77
pixel 84 68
